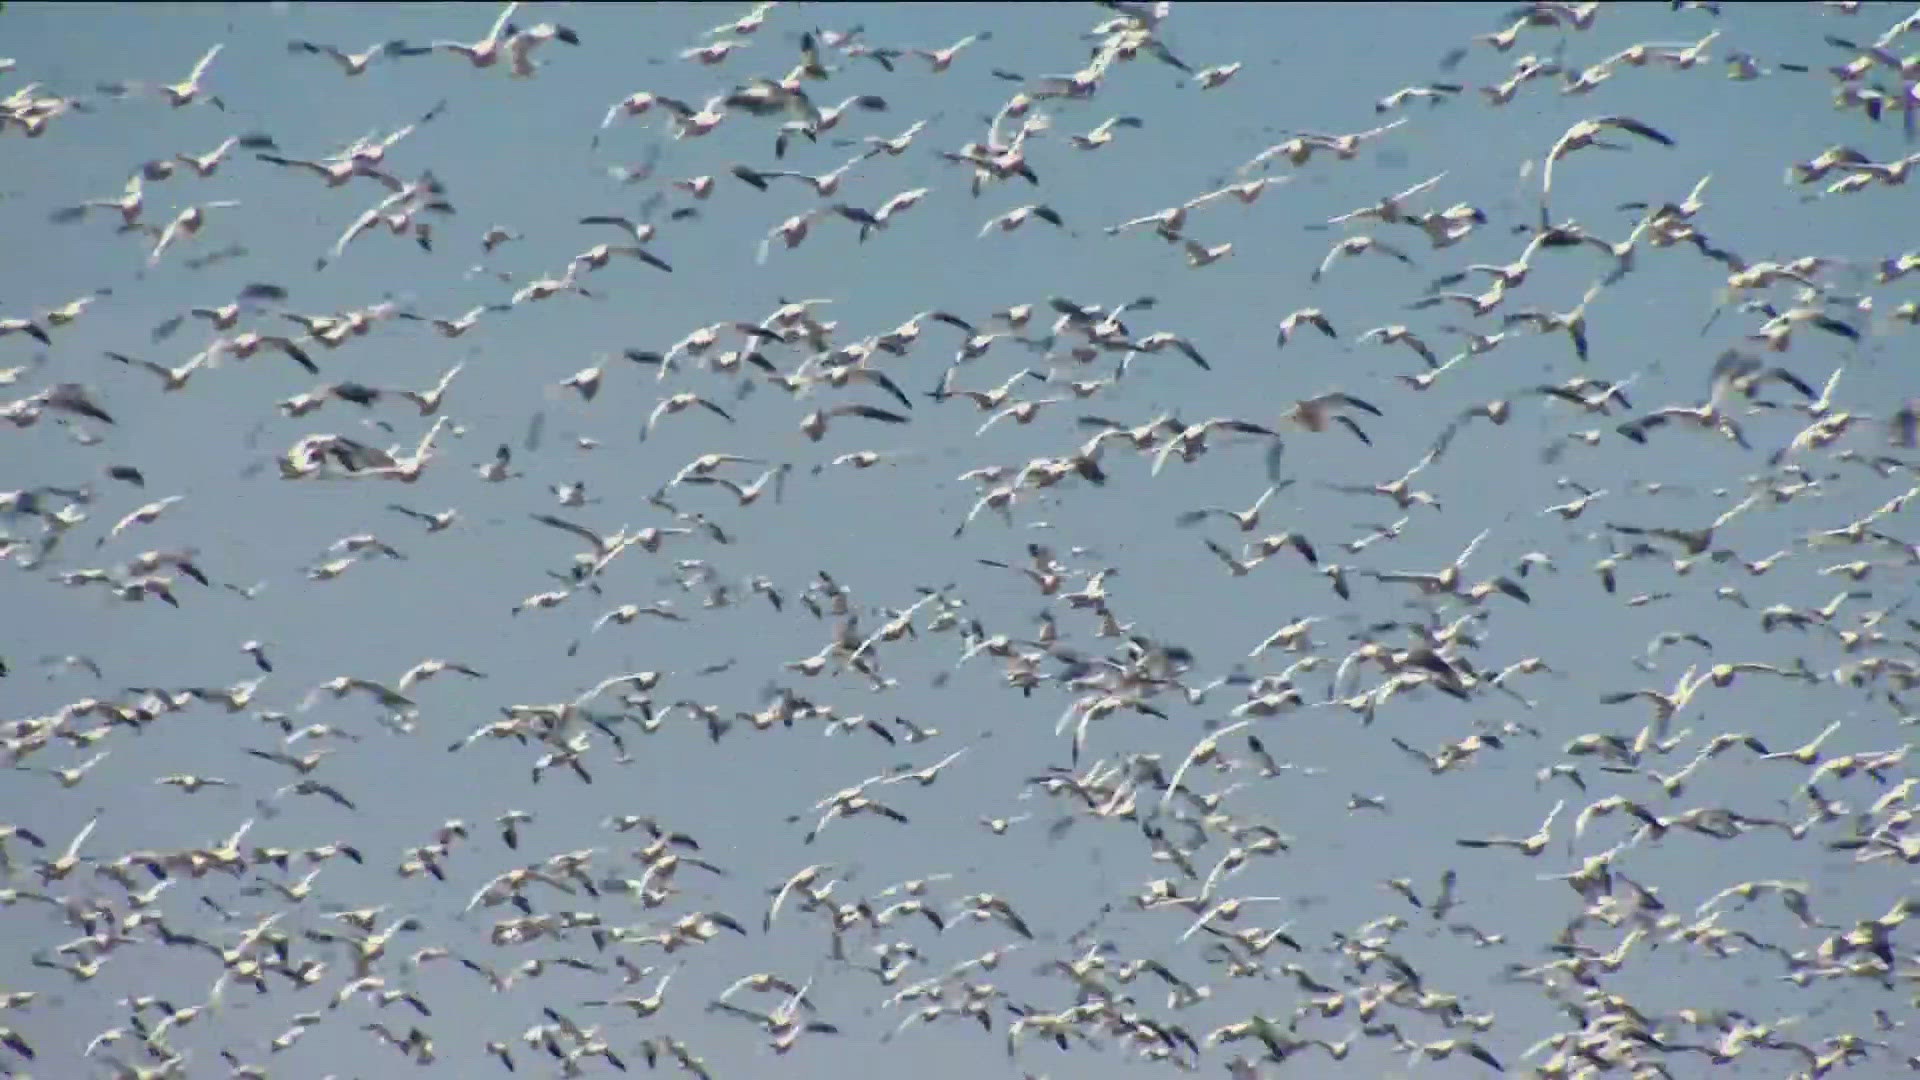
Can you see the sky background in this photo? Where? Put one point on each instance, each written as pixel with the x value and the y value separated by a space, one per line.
pixel 521 153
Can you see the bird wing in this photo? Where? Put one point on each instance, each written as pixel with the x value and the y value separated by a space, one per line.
pixel 870 413
pixel 1628 123
pixel 591 537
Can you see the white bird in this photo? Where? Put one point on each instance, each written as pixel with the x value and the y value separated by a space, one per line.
pixel 1313 317
pixel 746 24
pixel 59 869
pixel 171 379
pixel 678 403
pixel 713 52
pixel 453 328
pixel 1358 245
pixel 1345 147
pixel 1203 752
pixel 814 424
pixel 428 401
pixel 791 232
pixel 1587 133
pixel 750 493
pixel 940 60
pixel 825 185
pixel 597 257
pixel 691 123
pixel 1401 335
pixel 1018 216
pixel 205 165
pixel 1199 254
pixel 1020 412
pixel 520 46
pixel 895 146
pixel 186 223
pixel 355 63
pixel 547 288
pixel 486 51
pixel 145 515
pixel 1227 911
pixel 188 90
pixel 1390 209
pixel 129 205
pixel 1209 78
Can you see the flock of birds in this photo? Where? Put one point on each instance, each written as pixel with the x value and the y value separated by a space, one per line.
pixel 315 931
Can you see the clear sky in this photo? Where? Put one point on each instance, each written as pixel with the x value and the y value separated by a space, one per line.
pixel 530 155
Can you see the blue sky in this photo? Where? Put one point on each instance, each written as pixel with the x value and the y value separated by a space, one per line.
pixel 530 155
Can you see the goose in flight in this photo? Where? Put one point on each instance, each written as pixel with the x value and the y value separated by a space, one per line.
pixel 1159 341
pixel 1315 413
pixel 604 547
pixel 705 464
pixel 1313 317
pixel 180 94
pixel 434 522
pixel 1433 93
pixel 814 425
pixel 335 172
pixel 1586 133
pixel 547 288
pixel 984 400
pixel 1199 254
pixel 1227 911
pixel 1573 322
pixel 1529 846
pixel 1191 441
pixel 939 60
pixel 679 403
pixel 145 515
pixel 205 165
pixel 895 146
pixel 521 43
pixel 1445 581
pixel 1296 150
pixel 1743 374
pixel 805 881
pixel 1019 216
pixel 1777 331
pixel 1247 520
pixel 597 257
pixel 641 232
pixel 791 232
pixel 130 204
pixel 1731 372
pixel 486 51
pixel 171 379
pixel 839 375
pixel 1204 751
pixel 1103 134
pixel 1020 412
pixel 830 117
pixel 187 223
pixel 825 185
pixel 244 345
pixel 713 53
pixel 1346 147
pixel 1390 209
pixel 357 63
pixel 1217 76
pixel 1357 245
pixel 58 869
pixel 1401 335
pixel 453 328
pixel 750 493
